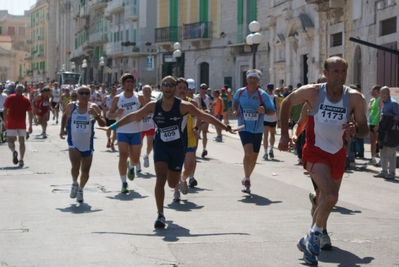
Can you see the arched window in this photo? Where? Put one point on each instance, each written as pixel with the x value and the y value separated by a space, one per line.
pixel 204 73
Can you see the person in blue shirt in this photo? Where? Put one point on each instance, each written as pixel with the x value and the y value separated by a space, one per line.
pixel 250 103
pixel 388 134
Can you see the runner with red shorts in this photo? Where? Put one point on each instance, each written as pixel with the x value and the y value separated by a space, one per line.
pixel 41 106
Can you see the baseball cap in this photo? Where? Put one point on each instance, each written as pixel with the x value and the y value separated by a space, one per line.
pixel 11 84
pixel 223 89
pixel 228 89
pixel 204 85
pixel 270 86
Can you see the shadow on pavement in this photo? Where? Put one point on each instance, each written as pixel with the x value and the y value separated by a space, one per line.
pixel 145 175
pixel 345 211
pixel 171 233
pixel 258 200
pixel 127 197
pixel 78 209
pixel 184 205
pixel 343 258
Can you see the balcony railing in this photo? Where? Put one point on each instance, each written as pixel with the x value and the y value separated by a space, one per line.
pixel 77 52
pixel 115 6
pixel 84 11
pixel 131 10
pixel 97 4
pixel 167 34
pixel 98 37
pixel 198 30
pixel 114 48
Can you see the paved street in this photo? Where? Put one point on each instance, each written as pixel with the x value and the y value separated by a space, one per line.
pixel 214 224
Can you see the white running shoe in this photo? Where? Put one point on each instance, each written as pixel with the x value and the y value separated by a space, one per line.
pixel 138 167
pixel 74 190
pixel 79 197
pixel 146 162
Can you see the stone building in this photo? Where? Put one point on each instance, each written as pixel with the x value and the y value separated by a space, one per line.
pixel 14 33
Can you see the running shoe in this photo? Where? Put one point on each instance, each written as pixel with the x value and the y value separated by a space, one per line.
pixel 160 222
pixel 44 135
pixel 204 153
pixel 307 257
pixel 112 147
pixel 390 176
pixel 27 135
pixel 125 188
pixel 184 187
pixel 271 154
pixel 312 198
pixel 21 163
pixel 56 122
pixel 176 196
pixel 313 243
pixel 380 175
pixel 325 241
pixel 146 161
pixel 246 186
pixel 109 144
pixel 372 161
pixel 218 139
pixel 53 118
pixel 265 156
pixel 79 197
pixel 192 182
pixel 138 167
pixel 74 190
pixel 130 172
pixel 15 157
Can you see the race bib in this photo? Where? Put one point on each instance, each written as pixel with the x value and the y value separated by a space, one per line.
pixel 251 115
pixel 170 133
pixel 331 115
pixel 81 126
pixel 147 119
pixel 45 103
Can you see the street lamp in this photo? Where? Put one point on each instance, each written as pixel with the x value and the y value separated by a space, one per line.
pixel 102 63
pixel 254 39
pixel 84 66
pixel 177 55
pixel 73 66
pixel 63 67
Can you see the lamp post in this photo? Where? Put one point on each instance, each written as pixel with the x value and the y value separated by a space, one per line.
pixel 63 67
pixel 176 55
pixel 84 66
pixel 254 39
pixel 102 63
pixel 73 66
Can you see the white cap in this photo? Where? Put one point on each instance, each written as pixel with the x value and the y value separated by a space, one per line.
pixel 191 84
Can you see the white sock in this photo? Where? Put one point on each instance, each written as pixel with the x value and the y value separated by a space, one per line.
pixel 265 150
pixel 123 178
pixel 317 229
pixel 130 165
pixel 80 189
pixel 75 182
pixel 271 148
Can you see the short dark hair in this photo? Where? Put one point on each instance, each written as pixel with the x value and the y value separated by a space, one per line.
pixel 181 80
pixel 126 76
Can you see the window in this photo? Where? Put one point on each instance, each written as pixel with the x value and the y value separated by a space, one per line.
pixel 11 31
pixel 388 26
pixel 1 30
pixel 336 39
pixel 246 12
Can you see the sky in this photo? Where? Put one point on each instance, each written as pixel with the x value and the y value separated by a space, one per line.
pixel 16 7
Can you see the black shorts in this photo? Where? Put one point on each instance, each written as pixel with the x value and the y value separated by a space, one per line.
pixel 109 122
pixel 53 104
pixel 173 156
pixel 251 138
pixel 372 128
pixel 270 124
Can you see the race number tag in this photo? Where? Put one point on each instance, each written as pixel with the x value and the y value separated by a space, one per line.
pixel 331 115
pixel 45 103
pixel 251 115
pixel 81 124
pixel 147 120
pixel 170 133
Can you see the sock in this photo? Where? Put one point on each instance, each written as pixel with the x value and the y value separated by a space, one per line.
pixel 130 165
pixel 271 148
pixel 75 182
pixel 80 189
pixel 123 178
pixel 265 150
pixel 317 229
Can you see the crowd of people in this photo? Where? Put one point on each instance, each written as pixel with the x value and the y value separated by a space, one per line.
pixel 326 119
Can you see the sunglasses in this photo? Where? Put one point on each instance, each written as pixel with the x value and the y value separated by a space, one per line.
pixel 168 84
pixel 204 88
pixel 84 93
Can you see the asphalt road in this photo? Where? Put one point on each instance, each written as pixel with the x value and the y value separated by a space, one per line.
pixel 214 224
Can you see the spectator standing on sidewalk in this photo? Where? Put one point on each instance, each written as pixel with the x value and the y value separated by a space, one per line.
pixel 375 108
pixel 388 134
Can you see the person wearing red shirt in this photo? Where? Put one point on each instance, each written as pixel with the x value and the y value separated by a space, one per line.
pixel 15 108
pixel 41 106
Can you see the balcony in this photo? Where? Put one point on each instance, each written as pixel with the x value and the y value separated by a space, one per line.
pixel 40 55
pixel 98 4
pixel 115 6
pixel 98 38
pixel 131 10
pixel 114 49
pixel 40 38
pixel 198 33
pixel 167 36
pixel 29 41
pixel 78 53
pixel 84 11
